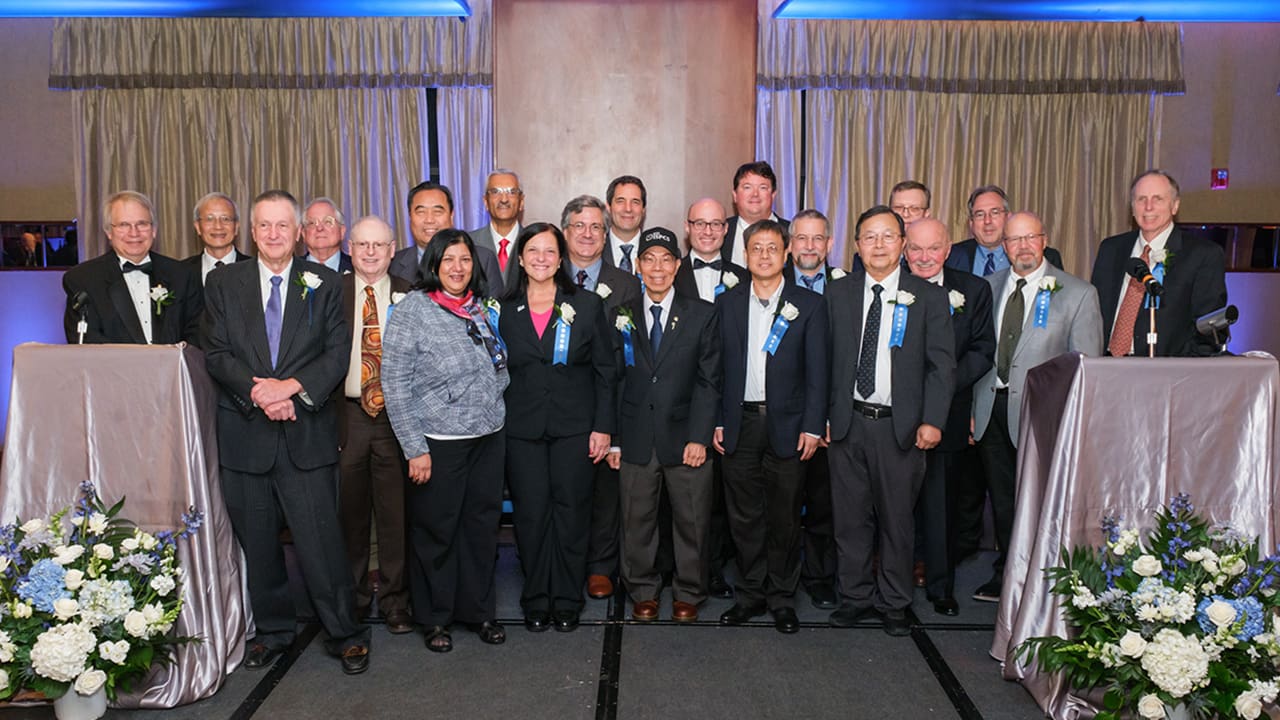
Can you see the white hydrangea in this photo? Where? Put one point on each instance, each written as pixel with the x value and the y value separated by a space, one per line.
pixel 60 652
pixel 162 584
pixel 1175 663
pixel 116 652
pixel 105 601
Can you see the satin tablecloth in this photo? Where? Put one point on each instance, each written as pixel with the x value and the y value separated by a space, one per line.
pixel 137 421
pixel 1121 436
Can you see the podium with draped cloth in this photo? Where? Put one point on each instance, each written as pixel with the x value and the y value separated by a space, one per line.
pixel 1121 436
pixel 138 422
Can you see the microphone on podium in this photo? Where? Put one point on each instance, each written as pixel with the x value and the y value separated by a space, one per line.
pixel 1139 270
pixel 80 304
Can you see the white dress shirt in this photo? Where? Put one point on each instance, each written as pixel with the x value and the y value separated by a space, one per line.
pixel 615 247
pixel 759 322
pixel 1029 292
pixel 209 262
pixel 382 296
pixel 139 284
pixel 707 278
pixel 883 394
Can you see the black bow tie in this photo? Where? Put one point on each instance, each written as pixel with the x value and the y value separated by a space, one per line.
pixel 699 263
pixel 144 268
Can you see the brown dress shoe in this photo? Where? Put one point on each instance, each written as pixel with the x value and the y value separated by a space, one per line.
pixel 917 573
pixel 645 611
pixel 599 586
pixel 683 612
pixel 399 622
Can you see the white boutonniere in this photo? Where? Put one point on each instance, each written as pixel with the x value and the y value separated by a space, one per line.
pixel 603 290
pixel 396 297
pixel 624 322
pixel 1162 257
pixel 161 296
pixel 789 312
pixel 904 299
pixel 308 281
pixel 837 273
pixel 566 313
pixel 493 304
pixel 729 280
pixel 1050 283
pixel 957 300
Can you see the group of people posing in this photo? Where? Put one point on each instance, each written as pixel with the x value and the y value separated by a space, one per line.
pixel 655 414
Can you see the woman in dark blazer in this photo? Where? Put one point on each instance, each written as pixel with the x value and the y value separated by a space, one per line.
pixel 560 417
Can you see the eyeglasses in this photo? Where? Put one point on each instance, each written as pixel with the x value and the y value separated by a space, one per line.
pixel 701 225
pixel 765 250
pixel 366 245
pixel 580 226
pixel 218 219
pixel 1029 239
pixel 884 238
pixel 141 226
pixel 328 221
pixel 909 210
pixel 982 215
pixel 496 191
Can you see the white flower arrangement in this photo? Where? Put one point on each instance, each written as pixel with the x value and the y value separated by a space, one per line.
pixel 729 280
pixel 566 313
pixel 309 282
pixel 603 290
pixel 956 298
pixel 161 296
pixel 789 312
pixel 87 600
pixel 904 299
pixel 837 273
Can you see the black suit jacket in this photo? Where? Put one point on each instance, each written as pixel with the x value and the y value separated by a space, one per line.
pixel 398 285
pixel 687 285
pixel 192 264
pixel 961 257
pixel 110 313
pixel 315 340
pixel 670 400
pixel 624 288
pixel 923 369
pixel 404 264
pixel 731 235
pixel 1195 284
pixel 549 400
pixel 795 375
pixel 975 335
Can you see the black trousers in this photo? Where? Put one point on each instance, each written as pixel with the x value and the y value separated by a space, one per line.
pixel 936 515
pixel 373 479
pixel 307 500
pixel 819 559
pixel 762 495
pixel 968 484
pixel 720 541
pixel 603 541
pixel 551 485
pixel 453 531
pixel 1000 458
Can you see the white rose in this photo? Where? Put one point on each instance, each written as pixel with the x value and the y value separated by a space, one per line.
pixel 567 313
pixel 789 312
pixel 1220 613
pixel 1159 256
pixel 603 290
pixel 1147 566
pixel 1248 706
pixel 622 323
pixel 1234 566
pixel 32 526
pixel 73 579
pixel 68 554
pixel 957 299
pixel 135 624
pixel 1048 282
pixel 116 652
pixel 311 280
pixel 103 551
pixel 729 280
pixel 148 541
pixel 129 544
pixel 65 608
pixel 1151 707
pixel 837 273
pixel 1132 645
pixel 905 298
pixel 396 297
pixel 89 681
pixel 162 584
pixel 21 610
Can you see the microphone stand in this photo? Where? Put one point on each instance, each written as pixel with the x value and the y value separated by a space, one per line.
pixel 1151 325
pixel 82 327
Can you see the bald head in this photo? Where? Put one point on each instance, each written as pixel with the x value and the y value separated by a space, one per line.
pixel 371 248
pixel 927 247
pixel 1024 241
pixel 705 228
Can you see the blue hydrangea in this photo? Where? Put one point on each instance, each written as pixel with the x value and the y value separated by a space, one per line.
pixel 1248 609
pixel 43 585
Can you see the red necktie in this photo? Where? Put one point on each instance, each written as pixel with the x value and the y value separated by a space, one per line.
pixel 371 400
pixel 502 254
pixel 1122 334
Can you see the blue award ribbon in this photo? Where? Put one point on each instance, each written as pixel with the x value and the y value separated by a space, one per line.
pixel 628 348
pixel 779 329
pixel 561 355
pixel 952 308
pixel 720 289
pixel 1157 272
pixel 1042 309
pixel 899 325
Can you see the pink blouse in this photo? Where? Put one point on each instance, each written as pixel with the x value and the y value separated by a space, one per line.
pixel 541 319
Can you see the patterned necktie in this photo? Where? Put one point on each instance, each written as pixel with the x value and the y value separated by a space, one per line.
pixel 275 318
pixel 1010 330
pixel 371 358
pixel 582 279
pixel 655 334
pixel 502 254
pixel 626 265
pixel 810 280
pixel 990 266
pixel 1122 334
pixel 870 339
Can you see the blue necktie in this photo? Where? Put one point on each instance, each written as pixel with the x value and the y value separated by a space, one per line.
pixel 275 318
pixel 990 267
pixel 810 280
pixel 626 265
pixel 870 339
pixel 655 334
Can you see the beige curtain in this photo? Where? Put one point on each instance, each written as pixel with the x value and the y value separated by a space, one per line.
pixel 317 106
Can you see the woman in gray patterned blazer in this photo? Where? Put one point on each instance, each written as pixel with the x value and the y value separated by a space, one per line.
pixel 444 370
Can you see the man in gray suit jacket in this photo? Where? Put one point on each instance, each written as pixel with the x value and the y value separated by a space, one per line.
pixel 504 199
pixel 430 211
pixel 1040 313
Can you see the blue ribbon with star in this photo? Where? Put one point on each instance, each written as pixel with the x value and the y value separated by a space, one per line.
pixel 899 330
pixel 561 354
pixel 1041 318
pixel 779 329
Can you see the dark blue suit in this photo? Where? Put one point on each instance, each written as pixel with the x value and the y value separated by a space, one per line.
pixel 961 257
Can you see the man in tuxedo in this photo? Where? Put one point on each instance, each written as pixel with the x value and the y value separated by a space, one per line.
pixel 946 466
pixel 430 211
pixel 754 185
pixel 504 199
pixel 773 338
pixel 1192 271
pixel 808 269
pixel 669 394
pixel 371 464
pixel 323 230
pixel 627 200
pixel 585 221
pixel 983 253
pixel 892 380
pixel 29 253
pixel 131 294
pixel 1039 314
pixel 911 200
pixel 217 224
pixel 276 342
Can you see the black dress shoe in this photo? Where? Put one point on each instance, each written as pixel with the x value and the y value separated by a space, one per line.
pixel 989 591
pixel 537 621
pixel 896 623
pixel 946 606
pixel 849 615
pixel 739 614
pixel 355 659
pixel 823 595
pixel 718 588
pixel 260 656
pixel 566 620
pixel 785 620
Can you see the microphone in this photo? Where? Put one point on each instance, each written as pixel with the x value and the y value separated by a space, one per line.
pixel 80 304
pixel 79 301
pixel 1138 269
